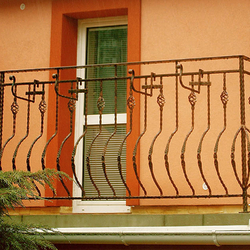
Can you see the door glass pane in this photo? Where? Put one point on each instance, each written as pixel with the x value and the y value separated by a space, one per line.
pixel 107 45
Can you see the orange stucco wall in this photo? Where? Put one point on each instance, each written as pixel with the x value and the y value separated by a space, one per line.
pixel 39 36
pixel 24 43
pixel 183 29
pixel 190 29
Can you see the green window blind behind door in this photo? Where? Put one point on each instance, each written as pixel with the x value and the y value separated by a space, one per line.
pixel 107 45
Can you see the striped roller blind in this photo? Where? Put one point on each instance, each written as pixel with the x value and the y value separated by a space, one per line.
pixel 110 160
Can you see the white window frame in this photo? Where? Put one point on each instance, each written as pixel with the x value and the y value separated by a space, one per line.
pixel 80 206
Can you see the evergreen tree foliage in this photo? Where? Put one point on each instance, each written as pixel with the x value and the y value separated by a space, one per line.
pixel 16 186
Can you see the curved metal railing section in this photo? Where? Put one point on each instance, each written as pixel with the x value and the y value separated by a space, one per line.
pixel 248 159
pixel 233 156
pixel 55 76
pixel 42 109
pixel 203 136
pixel 192 101
pixel 224 99
pixel 131 105
pixel 73 166
pixel 25 136
pixel 104 168
pixel 242 130
pixel 71 107
pixel 160 102
pixel 100 106
pixel 2 76
pixel 14 110
pixel 141 135
pixel 167 164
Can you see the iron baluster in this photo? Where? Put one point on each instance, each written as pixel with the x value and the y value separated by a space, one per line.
pixel 161 102
pixel 243 134
pixel 2 76
pixel 203 136
pixel 42 109
pixel 100 106
pixel 25 136
pixel 14 110
pixel 131 104
pixel 140 136
pixel 192 101
pixel 174 132
pixel 71 107
pixel 224 100
pixel 248 154
pixel 55 76
pixel 79 139
pixel 104 168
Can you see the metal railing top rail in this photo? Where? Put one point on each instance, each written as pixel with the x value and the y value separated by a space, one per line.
pixel 127 63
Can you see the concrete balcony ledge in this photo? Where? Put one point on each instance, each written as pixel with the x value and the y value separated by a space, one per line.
pixel 135 220
pixel 131 229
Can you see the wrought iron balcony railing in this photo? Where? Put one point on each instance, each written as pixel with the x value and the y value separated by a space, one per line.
pixel 185 128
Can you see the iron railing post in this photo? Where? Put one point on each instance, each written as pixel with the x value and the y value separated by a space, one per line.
pixel 243 135
pixel 1 107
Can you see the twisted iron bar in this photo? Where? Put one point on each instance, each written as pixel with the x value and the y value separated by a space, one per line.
pixel 161 102
pixel 42 108
pixel 192 100
pixel 224 100
pixel 167 165
pixel 131 105
pixel 78 141
pixel 2 76
pixel 55 76
pixel 71 107
pixel 14 109
pixel 144 129
pixel 100 106
pixel 203 136
pixel 245 130
pixel 109 139
pixel 25 136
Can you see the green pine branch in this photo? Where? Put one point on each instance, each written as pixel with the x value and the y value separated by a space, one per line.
pixel 16 186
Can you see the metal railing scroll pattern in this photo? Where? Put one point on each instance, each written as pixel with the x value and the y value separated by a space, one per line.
pixel 154 86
